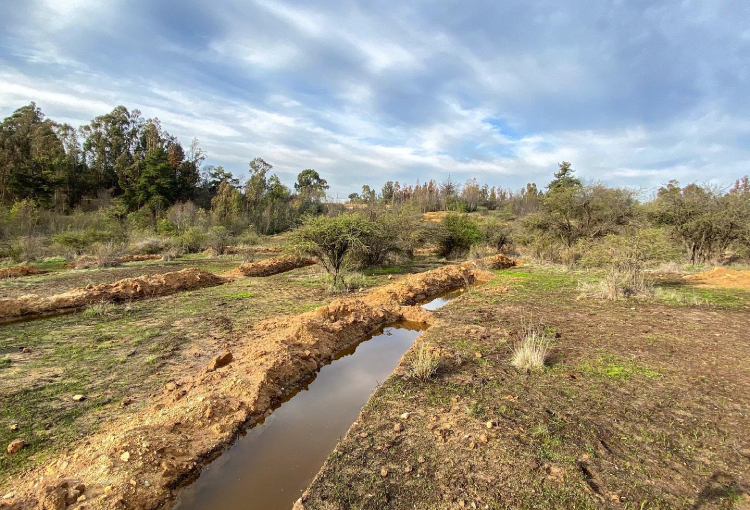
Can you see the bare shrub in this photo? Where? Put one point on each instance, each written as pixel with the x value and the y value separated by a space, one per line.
pixel 531 352
pixel 107 254
pixel 149 246
pixel 424 365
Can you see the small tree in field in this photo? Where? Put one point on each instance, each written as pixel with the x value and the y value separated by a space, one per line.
pixel 330 240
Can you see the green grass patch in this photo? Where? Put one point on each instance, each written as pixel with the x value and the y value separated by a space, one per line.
pixel 241 295
pixel 617 368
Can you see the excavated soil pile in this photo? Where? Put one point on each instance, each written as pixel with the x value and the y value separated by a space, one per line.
pixel 268 267
pixel 498 261
pixel 140 461
pixel 722 277
pixel 89 262
pixel 19 271
pixel 123 290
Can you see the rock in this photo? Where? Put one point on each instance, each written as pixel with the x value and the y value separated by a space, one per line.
pixel 15 446
pixel 53 498
pixel 390 277
pixel 384 472
pixel 421 460
pixel 405 416
pixel 472 445
pixel 478 355
pixel 81 498
pixel 25 350
pixel 14 427
pixel 483 438
pixel 72 496
pixel 408 469
pixel 363 434
pixel 489 424
pixel 170 386
pixel 219 361
pixel 125 456
pixel 107 489
pixel 397 428
pixel 79 398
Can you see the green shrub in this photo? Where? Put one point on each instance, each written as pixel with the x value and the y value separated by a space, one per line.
pixel 192 241
pixel 458 233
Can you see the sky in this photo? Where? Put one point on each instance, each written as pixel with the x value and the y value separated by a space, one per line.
pixel 633 93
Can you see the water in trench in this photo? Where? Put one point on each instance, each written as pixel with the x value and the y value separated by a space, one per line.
pixel 273 463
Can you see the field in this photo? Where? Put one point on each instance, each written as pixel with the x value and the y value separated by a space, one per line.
pixel 642 403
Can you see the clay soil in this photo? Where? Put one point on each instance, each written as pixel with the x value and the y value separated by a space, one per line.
pixel 270 266
pixel 722 277
pixel 642 404
pixel 140 461
pixel 19 271
pixel 128 289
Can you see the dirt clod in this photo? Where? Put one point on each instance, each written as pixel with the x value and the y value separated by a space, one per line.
pixel 15 446
pixel 19 271
pixel 219 361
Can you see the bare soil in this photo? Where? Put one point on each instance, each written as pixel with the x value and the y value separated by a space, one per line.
pixel 128 289
pixel 138 462
pixel 642 405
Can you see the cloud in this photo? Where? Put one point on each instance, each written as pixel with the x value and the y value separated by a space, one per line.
pixel 632 93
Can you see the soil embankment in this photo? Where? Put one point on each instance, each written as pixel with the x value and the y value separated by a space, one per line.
pixel 139 462
pixel 269 267
pixel 123 290
pixel 19 271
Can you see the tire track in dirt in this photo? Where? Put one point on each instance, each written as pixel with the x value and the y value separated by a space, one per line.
pixel 141 460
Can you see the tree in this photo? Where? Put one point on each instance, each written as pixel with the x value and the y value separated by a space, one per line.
pixel 156 185
pixel 30 156
pixel 701 218
pixel 564 178
pixel 331 239
pixel 310 186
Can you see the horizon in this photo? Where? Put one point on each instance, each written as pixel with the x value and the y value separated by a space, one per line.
pixel 631 95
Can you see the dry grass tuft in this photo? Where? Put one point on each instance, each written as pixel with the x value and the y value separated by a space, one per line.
pixel 531 352
pixel 425 364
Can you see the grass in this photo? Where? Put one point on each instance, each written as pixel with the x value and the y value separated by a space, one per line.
pixel 617 368
pixel 424 364
pixel 531 353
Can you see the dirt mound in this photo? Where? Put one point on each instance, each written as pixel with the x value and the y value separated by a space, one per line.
pixel 89 262
pixel 164 446
pixel 139 258
pixel 498 261
pixel 19 271
pixel 123 290
pixel 268 267
pixel 722 277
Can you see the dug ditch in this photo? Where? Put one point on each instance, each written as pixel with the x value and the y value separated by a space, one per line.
pixel 272 463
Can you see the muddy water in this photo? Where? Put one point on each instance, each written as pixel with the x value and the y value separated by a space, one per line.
pixel 270 466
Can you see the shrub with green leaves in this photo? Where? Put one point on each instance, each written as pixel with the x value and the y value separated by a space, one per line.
pixel 331 240
pixel 457 234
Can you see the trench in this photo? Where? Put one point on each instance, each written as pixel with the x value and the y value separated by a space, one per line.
pixel 271 464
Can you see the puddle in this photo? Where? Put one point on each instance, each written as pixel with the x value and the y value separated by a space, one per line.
pixel 273 463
